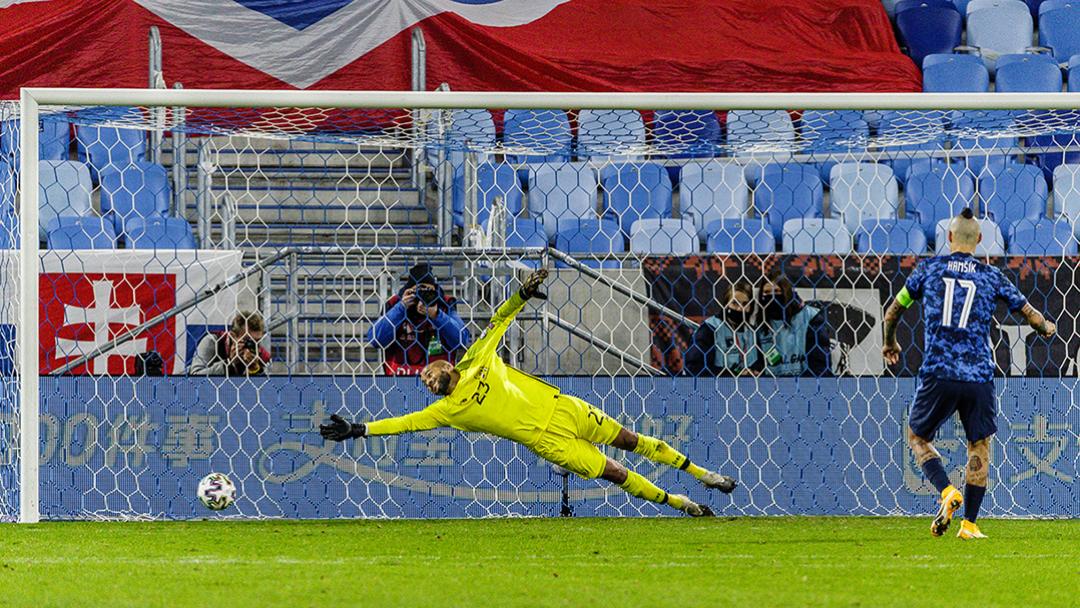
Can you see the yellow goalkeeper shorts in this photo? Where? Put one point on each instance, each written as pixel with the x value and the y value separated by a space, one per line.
pixel 571 437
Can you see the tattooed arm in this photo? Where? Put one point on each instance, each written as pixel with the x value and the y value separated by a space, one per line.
pixel 890 350
pixel 1036 320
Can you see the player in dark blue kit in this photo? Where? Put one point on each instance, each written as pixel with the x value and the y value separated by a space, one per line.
pixel 959 295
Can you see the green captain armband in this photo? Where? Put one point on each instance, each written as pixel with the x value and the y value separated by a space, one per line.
pixel 904 298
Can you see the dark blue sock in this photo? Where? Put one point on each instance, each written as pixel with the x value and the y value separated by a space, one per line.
pixel 935 472
pixel 973 496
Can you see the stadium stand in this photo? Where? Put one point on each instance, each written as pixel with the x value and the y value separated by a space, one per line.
pixel 609 132
pixel 712 190
pixel 591 237
pixel 831 132
pixel 1017 193
pixel 664 236
pixel 993 243
pixel 788 191
pixel 863 191
pixel 692 133
pixel 883 237
pixel 949 73
pixel 547 130
pixel 1073 80
pixel 634 191
pixel 1042 237
pixel 985 155
pixel 930 129
pixel 492 181
pixel 64 189
pixel 816 236
pixel 998 28
pixel 107 149
pixel 1067 193
pixel 138 190
pixel 742 235
pixel 81 232
pixel 158 233
pixel 561 191
pixel 938 194
pixel 760 137
pixel 1027 73
pixel 1059 28
pixel 929 28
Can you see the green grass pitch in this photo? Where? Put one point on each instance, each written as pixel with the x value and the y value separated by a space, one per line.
pixel 675 562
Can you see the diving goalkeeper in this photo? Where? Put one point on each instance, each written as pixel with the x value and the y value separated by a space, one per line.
pixel 483 394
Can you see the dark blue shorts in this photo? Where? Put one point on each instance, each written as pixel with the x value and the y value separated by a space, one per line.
pixel 936 400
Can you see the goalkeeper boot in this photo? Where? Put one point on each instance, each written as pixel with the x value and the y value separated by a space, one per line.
pixel 716 481
pixel 692 508
pixel 969 531
pixel 951 499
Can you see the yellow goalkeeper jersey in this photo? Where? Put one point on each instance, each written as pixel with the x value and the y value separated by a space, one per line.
pixel 491 397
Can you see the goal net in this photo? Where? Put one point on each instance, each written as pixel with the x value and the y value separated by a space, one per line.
pixel 194 280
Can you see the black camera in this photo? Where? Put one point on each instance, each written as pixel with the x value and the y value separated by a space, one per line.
pixel 149 363
pixel 249 344
pixel 427 294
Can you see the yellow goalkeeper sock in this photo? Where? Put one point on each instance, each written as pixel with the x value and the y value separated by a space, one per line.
pixel 657 450
pixel 636 485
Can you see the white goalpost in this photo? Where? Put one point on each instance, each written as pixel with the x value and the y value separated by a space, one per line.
pixel 311 207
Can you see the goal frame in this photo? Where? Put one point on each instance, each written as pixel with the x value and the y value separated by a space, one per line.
pixel 32 99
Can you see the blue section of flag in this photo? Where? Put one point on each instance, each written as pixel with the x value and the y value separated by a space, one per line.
pixel 298 14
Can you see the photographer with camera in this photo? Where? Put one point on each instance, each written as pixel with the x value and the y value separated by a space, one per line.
pixel 235 352
pixel 420 325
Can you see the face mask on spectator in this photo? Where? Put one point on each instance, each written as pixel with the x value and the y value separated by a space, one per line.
pixel 735 318
pixel 773 307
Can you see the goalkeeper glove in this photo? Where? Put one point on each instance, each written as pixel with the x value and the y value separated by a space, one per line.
pixel 340 429
pixel 531 287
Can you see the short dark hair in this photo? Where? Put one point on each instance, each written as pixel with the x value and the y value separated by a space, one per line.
pixel 247 320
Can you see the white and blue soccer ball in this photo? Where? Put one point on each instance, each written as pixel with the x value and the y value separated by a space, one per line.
pixel 217 491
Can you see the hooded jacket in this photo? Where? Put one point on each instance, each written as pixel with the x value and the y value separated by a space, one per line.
pixel 798 343
pixel 410 340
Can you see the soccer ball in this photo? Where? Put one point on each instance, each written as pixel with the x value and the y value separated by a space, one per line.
pixel 216 491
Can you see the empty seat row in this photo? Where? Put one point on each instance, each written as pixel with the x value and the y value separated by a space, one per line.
pixel 1021 73
pixel 103 149
pixel 94 232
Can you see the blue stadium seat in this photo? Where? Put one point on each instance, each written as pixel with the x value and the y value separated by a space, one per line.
pixel 938 194
pixel 64 189
pixel 561 191
pixel 594 237
pixel 107 149
pixel 1017 193
pixel 687 133
pixel 1067 193
pixel 1049 161
pixel 547 131
pixel 54 140
pixel 492 181
pixel 955 74
pixel 897 237
pixel 863 191
pixel 80 232
pixel 523 232
pixel 992 243
pixel 906 5
pixel 788 191
pixel 833 132
pixel 1044 237
pixel 1034 6
pixel 984 156
pixel 610 133
pixel 158 233
pixel 1059 29
pixel 1053 5
pixel 634 191
pixel 742 235
pixel 926 133
pixel 664 236
pixel 1000 29
pixel 1027 73
pixel 978 5
pixel 927 29
pixel 760 137
pixel 141 189
pixel 713 190
pixel 467 127
pixel 816 236
pixel 1074 74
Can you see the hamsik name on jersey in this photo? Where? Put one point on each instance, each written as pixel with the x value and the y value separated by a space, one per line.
pixel 959 296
